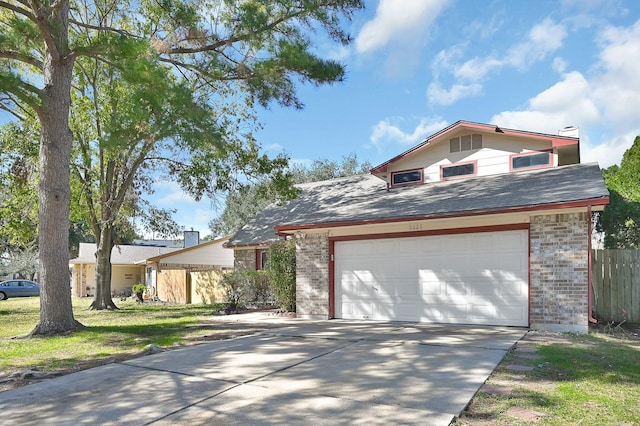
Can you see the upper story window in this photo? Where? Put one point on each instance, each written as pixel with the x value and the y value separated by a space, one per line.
pixel 531 160
pixel 465 143
pixel 407 177
pixel 458 170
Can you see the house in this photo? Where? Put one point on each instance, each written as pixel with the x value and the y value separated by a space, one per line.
pixel 190 275
pixel 174 274
pixel 126 267
pixel 476 225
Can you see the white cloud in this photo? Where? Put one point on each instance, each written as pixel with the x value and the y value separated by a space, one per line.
pixel 274 147
pixel 387 132
pixel 397 20
pixel 609 151
pixel 566 103
pixel 436 95
pixel 168 194
pixel 604 104
pixel 617 86
pixel 559 65
pixel 543 39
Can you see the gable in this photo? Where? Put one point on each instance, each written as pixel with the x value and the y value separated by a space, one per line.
pixel 480 149
pixel 208 253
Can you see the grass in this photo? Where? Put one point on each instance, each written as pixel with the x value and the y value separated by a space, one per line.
pixel 592 380
pixel 108 335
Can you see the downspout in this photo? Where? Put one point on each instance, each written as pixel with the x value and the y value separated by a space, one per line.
pixel 589 265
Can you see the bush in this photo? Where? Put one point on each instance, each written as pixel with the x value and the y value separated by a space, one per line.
pixel 138 290
pixel 259 288
pixel 281 266
pixel 234 285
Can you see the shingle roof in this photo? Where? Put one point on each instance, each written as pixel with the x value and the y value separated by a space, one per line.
pixel 365 198
pixel 121 254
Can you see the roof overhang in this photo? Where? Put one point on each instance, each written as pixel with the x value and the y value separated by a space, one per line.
pixel 556 141
pixel 596 204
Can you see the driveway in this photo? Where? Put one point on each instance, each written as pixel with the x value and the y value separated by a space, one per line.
pixel 307 372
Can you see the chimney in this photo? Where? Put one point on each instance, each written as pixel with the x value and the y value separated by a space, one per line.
pixel 191 238
pixel 570 132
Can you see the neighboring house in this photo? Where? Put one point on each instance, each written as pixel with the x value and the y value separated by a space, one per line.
pixel 126 269
pixel 178 275
pixel 190 275
pixel 475 225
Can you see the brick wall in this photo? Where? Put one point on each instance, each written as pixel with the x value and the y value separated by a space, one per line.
pixel 244 260
pixel 312 276
pixel 559 272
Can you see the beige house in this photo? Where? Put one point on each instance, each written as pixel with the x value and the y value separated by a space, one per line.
pixel 475 225
pixel 173 274
pixel 127 267
pixel 190 275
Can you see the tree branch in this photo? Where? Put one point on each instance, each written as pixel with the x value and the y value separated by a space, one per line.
pixel 17 56
pixel 235 39
pixel 20 11
pixel 101 28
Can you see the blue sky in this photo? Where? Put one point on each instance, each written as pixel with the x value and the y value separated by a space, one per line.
pixel 417 66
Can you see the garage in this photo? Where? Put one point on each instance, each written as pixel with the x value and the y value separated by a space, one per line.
pixel 468 278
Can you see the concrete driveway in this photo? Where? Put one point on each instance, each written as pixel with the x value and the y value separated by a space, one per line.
pixel 307 372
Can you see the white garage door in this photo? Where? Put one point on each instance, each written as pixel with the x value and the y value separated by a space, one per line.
pixel 479 278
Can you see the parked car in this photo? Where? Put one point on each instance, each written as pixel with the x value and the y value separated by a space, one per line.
pixel 18 288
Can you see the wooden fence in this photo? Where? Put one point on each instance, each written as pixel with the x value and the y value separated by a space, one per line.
pixel 616 285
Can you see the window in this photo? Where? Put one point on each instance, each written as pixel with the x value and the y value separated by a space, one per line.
pixel 465 143
pixel 458 170
pixel 261 259
pixel 407 177
pixel 541 159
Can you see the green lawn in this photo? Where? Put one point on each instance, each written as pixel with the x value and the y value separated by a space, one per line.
pixel 108 334
pixel 593 380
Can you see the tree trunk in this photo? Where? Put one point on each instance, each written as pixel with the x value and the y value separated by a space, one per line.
pixel 56 310
pixel 102 299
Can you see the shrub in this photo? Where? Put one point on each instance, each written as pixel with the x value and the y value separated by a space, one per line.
pixel 259 287
pixel 281 266
pixel 234 285
pixel 139 289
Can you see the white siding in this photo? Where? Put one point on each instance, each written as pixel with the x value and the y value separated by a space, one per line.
pixel 205 254
pixel 493 158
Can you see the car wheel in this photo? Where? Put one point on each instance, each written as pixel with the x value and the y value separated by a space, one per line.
pixel 3 296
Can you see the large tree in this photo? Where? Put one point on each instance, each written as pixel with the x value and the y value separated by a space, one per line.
pixel 620 220
pixel 260 45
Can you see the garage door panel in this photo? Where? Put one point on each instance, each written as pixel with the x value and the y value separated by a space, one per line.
pixel 465 278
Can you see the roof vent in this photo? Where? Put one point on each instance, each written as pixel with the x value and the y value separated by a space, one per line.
pixel 570 131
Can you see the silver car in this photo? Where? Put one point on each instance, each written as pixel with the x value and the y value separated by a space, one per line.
pixel 18 288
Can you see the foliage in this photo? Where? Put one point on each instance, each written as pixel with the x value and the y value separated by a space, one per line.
pixel 245 287
pixel 146 73
pixel 281 265
pixel 18 187
pixel 245 202
pixel 620 220
pixel 259 287
pixel 234 285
